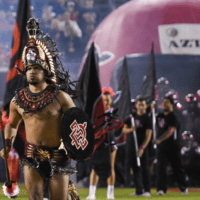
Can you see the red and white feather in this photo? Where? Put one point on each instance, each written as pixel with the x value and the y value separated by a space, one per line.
pixel 11 192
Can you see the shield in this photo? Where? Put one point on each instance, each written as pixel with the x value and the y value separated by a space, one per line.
pixel 77 134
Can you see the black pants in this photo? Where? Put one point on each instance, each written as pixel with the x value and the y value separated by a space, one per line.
pixel 173 156
pixel 120 165
pixel 142 177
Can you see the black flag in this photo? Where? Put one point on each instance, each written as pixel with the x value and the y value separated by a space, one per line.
pixel 123 103
pixel 20 39
pixel 148 92
pixel 148 86
pixel 90 101
pixel 123 97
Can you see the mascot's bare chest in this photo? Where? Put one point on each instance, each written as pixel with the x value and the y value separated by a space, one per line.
pixel 33 102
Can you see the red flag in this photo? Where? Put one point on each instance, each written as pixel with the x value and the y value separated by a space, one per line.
pixel 15 81
pixel 20 38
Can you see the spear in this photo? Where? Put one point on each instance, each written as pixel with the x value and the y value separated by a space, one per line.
pixel 10 188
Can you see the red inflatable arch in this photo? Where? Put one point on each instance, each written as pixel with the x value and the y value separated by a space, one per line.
pixel 133 26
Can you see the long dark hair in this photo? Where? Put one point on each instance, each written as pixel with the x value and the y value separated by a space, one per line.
pixel 63 78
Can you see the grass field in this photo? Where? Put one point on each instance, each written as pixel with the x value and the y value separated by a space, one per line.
pixel 121 194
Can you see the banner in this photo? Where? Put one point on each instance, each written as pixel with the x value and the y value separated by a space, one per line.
pixel 179 38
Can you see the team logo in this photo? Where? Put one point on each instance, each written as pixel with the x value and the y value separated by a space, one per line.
pixel 172 32
pixel 78 135
pixel 161 122
pixel 137 122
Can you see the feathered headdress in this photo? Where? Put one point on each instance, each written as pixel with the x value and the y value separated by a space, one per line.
pixel 42 50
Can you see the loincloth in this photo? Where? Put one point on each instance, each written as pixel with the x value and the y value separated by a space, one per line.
pixel 47 161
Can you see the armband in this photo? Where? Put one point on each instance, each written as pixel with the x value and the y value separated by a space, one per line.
pixel 8 143
pixel 170 132
pixel 141 147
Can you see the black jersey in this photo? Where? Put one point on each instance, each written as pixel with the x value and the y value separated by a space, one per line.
pixel 163 124
pixel 142 123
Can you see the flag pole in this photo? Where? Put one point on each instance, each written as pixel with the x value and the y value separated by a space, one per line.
pixel 6 157
pixel 135 141
pixel 10 188
pixel 154 126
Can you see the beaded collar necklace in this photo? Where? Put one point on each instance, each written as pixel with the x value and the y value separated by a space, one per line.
pixel 33 102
